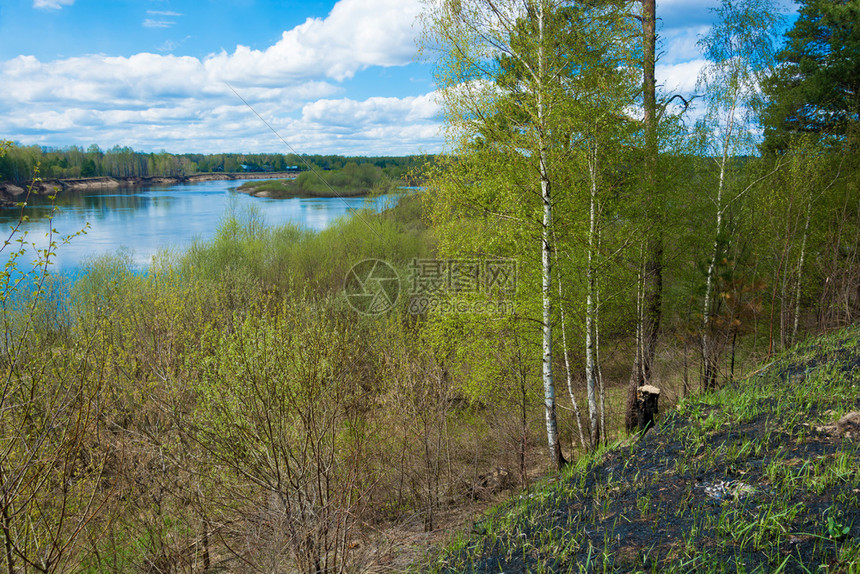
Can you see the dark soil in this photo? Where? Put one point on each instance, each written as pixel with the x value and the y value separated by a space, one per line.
pixel 686 500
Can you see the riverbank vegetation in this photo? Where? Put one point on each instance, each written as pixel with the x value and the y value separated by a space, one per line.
pixel 277 400
pixel 124 448
pixel 19 163
pixel 353 180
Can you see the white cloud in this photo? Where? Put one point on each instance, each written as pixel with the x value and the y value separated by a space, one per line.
pixel 52 4
pixel 372 111
pixel 182 103
pixel 353 37
pixel 679 78
pixel 150 23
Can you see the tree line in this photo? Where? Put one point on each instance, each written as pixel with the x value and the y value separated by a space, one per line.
pixel 20 162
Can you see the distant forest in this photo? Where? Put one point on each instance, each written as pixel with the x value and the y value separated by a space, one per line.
pixel 20 162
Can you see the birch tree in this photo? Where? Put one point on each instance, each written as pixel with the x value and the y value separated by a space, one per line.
pixel 517 82
pixel 739 49
pixel 796 208
pixel 491 121
pixel 601 133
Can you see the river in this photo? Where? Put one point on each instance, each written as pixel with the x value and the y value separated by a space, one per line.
pixel 145 220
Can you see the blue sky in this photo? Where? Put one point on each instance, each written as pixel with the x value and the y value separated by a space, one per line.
pixel 331 77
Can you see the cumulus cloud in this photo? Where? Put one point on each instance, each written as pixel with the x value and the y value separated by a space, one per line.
pixel 372 111
pixel 353 37
pixel 183 103
pixel 52 4
pixel 679 78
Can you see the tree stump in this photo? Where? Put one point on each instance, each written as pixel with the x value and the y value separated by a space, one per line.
pixel 647 398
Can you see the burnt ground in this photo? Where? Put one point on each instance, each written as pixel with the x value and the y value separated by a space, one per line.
pixel 753 478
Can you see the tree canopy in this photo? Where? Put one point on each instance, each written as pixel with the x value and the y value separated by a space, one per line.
pixel 816 88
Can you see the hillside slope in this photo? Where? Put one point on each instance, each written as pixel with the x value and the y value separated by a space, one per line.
pixel 756 477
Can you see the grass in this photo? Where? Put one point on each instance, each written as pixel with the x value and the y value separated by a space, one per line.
pixel 745 479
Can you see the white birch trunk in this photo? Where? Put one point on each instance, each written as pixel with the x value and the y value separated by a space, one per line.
pixel 707 358
pixel 546 259
pixel 590 368
pixel 568 372
pixel 800 274
pixel 601 388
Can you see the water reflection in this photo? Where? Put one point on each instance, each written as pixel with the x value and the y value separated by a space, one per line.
pixel 147 220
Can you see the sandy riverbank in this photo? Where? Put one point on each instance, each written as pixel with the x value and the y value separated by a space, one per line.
pixel 11 193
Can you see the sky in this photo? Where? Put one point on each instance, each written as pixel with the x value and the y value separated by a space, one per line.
pixel 329 77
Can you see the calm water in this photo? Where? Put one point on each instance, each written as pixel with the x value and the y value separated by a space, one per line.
pixel 145 220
